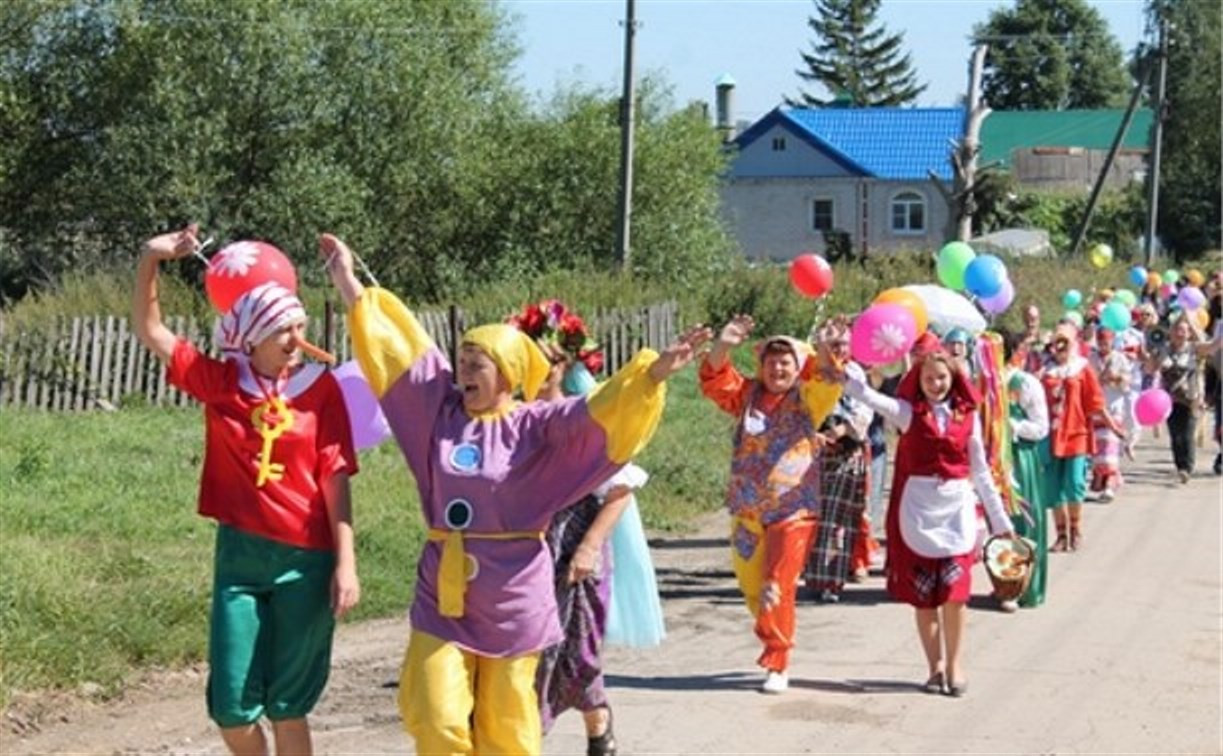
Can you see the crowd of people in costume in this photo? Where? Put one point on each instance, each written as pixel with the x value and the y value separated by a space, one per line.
pixel 535 556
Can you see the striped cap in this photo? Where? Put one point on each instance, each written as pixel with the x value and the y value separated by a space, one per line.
pixel 257 314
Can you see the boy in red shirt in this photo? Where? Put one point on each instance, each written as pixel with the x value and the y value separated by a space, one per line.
pixel 278 456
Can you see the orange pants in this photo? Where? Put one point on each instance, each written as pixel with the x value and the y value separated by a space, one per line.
pixel 778 560
pixel 864 546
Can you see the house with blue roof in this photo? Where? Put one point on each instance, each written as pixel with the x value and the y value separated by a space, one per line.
pixel 801 177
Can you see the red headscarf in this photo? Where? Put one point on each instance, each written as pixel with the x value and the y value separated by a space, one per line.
pixel 963 394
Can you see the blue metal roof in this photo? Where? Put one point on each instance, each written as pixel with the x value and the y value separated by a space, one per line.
pixel 890 143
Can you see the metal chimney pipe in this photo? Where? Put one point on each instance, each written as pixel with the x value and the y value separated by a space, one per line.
pixel 725 86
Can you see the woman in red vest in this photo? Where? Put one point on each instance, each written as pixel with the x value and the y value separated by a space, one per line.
pixel 940 470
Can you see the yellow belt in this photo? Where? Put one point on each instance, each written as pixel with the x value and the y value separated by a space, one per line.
pixel 452 572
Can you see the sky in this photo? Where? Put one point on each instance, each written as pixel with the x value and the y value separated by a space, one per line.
pixel 691 43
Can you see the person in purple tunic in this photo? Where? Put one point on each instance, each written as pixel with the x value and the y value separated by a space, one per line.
pixel 491 473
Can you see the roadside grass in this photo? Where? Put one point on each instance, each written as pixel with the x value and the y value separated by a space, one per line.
pixel 105 568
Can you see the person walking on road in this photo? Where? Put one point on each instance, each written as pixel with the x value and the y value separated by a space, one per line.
pixel 773 496
pixel 941 469
pixel 277 461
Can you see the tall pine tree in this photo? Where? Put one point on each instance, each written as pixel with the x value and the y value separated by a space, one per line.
pixel 856 59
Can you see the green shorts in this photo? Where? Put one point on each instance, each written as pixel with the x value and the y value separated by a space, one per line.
pixel 269 648
pixel 1067 480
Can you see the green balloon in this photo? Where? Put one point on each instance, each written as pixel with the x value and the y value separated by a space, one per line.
pixel 953 260
pixel 1115 316
pixel 1126 297
pixel 1074 316
pixel 1171 276
pixel 1072 299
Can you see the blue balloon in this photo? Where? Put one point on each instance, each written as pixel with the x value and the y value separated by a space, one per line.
pixel 984 276
pixel 1138 275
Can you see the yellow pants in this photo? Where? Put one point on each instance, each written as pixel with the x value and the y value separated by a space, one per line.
pixel 456 702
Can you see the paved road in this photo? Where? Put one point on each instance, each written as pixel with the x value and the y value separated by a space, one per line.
pixel 1124 658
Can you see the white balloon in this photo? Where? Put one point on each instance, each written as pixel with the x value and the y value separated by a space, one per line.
pixel 947 309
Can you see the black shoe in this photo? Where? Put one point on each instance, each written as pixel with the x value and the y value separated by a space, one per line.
pixel 1218 465
pixel 605 744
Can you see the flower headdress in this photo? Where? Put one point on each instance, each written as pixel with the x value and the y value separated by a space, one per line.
pixel 556 327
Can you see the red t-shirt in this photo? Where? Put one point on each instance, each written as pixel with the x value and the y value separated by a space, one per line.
pixel 289 507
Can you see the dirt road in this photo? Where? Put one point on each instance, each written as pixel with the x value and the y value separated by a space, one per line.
pixel 1124 658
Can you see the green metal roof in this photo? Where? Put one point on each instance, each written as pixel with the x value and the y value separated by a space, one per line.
pixel 1004 131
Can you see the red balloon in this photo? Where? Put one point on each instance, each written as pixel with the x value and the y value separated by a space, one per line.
pixel 811 275
pixel 239 267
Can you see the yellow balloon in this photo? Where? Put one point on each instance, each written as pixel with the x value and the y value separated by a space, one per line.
pixel 910 302
pixel 1154 281
pixel 1101 255
pixel 1195 277
pixel 1203 318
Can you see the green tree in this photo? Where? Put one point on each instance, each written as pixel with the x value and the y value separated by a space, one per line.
pixel 855 58
pixel 1190 188
pixel 393 124
pixel 1051 55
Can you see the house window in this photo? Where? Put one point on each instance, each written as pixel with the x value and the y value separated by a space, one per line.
pixel 908 213
pixel 821 214
pixel 779 144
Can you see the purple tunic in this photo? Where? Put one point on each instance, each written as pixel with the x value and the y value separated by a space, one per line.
pixel 493 474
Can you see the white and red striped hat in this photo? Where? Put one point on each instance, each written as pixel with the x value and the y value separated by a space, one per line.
pixel 257 314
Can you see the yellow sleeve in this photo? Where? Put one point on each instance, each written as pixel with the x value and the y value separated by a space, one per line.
pixel 386 338
pixel 819 398
pixel 628 407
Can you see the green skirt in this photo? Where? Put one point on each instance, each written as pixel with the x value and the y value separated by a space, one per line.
pixel 1031 476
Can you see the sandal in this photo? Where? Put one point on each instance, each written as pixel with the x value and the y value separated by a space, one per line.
pixel 1061 544
pixel 957 690
pixel 1076 539
pixel 936 684
pixel 603 745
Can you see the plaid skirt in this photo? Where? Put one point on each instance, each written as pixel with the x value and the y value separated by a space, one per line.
pixel 843 487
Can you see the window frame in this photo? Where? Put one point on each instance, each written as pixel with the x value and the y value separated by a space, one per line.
pixel 908 198
pixel 832 214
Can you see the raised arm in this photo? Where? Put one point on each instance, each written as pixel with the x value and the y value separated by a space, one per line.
pixel 146 307
pixel 898 412
pixel 338 259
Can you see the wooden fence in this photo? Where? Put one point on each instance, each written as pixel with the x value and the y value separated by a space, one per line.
pixel 94 362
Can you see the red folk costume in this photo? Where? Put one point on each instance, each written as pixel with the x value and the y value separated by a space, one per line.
pixel 931 518
pixel 1074 395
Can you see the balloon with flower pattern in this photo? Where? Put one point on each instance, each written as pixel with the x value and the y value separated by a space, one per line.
pixel 239 267
pixel 883 333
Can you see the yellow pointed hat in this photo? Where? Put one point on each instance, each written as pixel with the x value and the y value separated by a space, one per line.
pixel 518 357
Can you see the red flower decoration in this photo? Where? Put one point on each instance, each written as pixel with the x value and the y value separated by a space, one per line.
pixel 550 322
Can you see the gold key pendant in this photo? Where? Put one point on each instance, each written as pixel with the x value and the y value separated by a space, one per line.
pixel 271 419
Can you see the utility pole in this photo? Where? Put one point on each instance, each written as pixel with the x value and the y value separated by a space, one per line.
pixel 624 204
pixel 1144 75
pixel 1157 136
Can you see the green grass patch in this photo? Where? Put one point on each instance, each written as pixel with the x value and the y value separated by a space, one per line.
pixel 105 568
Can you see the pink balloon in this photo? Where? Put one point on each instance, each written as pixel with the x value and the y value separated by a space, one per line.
pixel 883 333
pixel 1153 407
pixel 369 426
pixel 1000 301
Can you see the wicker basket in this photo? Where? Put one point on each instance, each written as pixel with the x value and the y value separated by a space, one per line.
pixel 1008 562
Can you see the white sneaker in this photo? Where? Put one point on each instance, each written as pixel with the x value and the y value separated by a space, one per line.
pixel 1107 495
pixel 1010 606
pixel 1182 476
pixel 775 682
